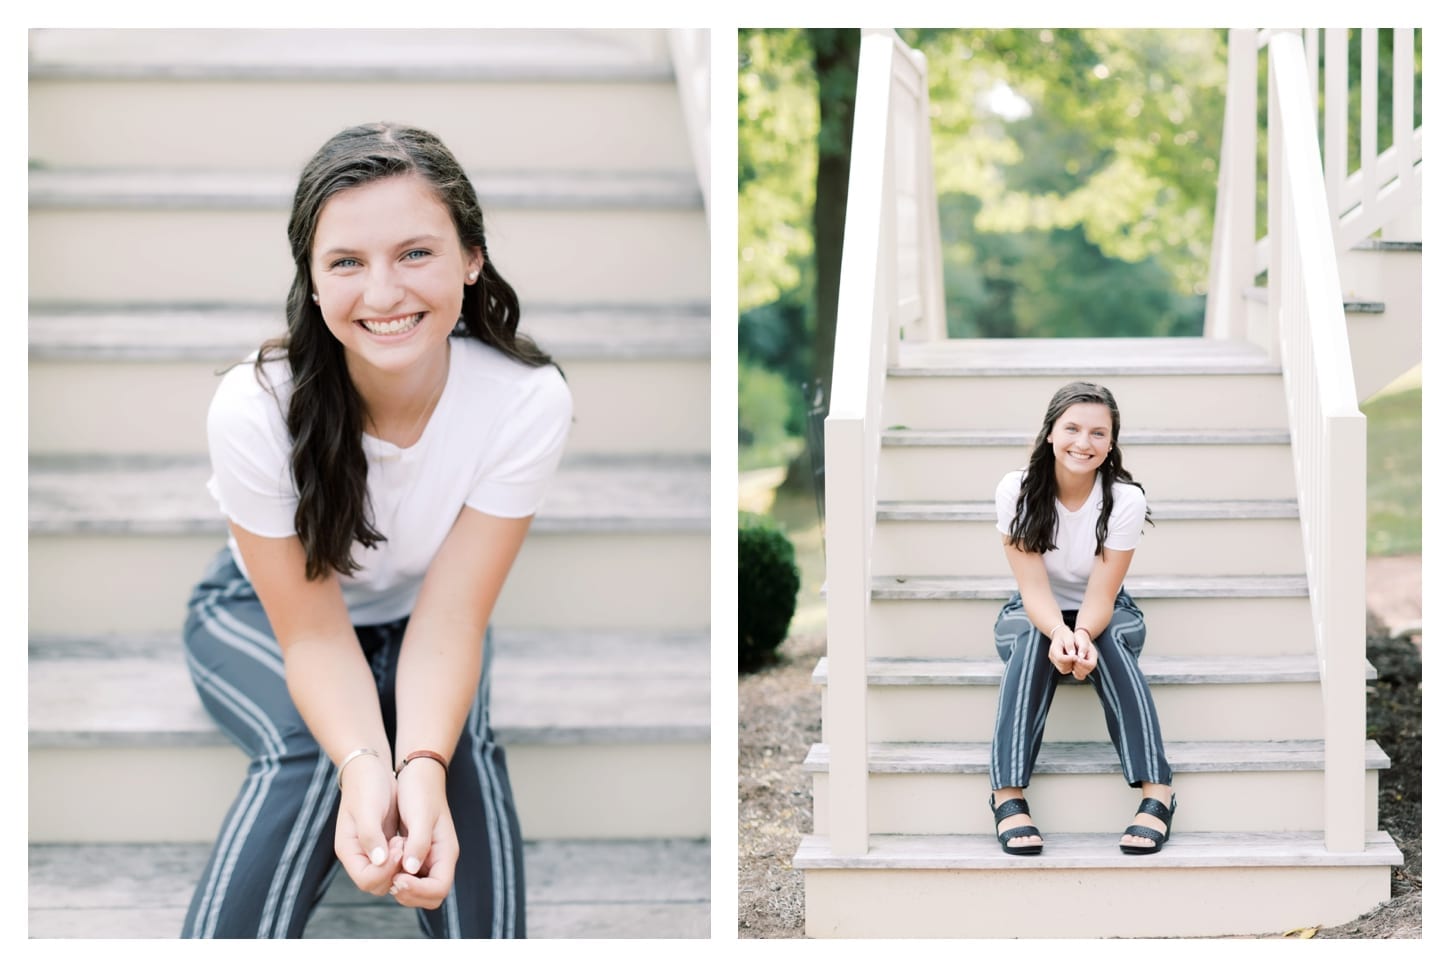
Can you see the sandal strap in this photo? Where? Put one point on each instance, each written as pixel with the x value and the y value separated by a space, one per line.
pixel 1007 835
pixel 1011 807
pixel 1146 833
pixel 1156 809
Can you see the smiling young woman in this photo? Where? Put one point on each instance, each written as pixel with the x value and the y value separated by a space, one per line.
pixel 378 467
pixel 1070 522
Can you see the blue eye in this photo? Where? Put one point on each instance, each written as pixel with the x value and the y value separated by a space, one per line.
pixel 344 263
pixel 417 253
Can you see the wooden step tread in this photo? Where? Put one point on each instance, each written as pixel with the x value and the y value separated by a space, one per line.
pixel 224 334
pixel 350 55
pixel 167 495
pixel 1034 357
pixel 1095 850
pixel 1260 295
pixel 986 510
pixel 1157 669
pixel 919 758
pixel 148 189
pixel 904 437
pixel 637 889
pixel 972 587
pixel 549 688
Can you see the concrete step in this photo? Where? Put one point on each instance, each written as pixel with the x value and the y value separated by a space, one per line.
pixel 158 367
pixel 634 889
pixel 942 787
pixel 913 616
pixel 948 464
pixel 1201 884
pixel 1187 537
pixel 1158 383
pixel 576 712
pixel 540 222
pixel 950 700
pixel 136 532
pixel 180 97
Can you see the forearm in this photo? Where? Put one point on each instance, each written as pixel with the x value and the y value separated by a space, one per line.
pixel 438 677
pixel 333 689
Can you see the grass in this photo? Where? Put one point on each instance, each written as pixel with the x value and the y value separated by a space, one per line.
pixel 1393 495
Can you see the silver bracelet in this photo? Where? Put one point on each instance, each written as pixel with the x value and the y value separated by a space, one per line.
pixel 348 758
pixel 1053 633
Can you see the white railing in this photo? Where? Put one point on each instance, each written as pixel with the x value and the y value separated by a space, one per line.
pixel 891 290
pixel 690 55
pixel 1385 186
pixel 1326 427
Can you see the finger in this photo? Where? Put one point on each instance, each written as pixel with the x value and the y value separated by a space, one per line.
pixel 416 847
pixel 427 891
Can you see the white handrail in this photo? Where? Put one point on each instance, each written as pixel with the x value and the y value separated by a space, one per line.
pixel 690 55
pixel 1327 430
pixel 889 290
pixel 1386 186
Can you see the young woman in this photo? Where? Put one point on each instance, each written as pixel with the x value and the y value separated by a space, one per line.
pixel 378 467
pixel 1069 523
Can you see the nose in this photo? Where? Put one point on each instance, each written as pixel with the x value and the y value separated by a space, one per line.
pixel 383 291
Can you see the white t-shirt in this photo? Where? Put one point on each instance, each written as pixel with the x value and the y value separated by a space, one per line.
pixel 1070 564
pixel 492 443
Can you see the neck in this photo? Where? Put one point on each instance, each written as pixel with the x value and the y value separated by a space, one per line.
pixel 397 405
pixel 1073 489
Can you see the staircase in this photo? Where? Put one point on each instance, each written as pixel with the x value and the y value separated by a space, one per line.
pixel 921 429
pixel 162 164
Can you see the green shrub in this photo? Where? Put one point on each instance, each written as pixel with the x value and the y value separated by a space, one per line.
pixel 769 582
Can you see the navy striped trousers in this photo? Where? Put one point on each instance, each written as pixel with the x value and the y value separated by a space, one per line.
pixel 1029 682
pixel 273 858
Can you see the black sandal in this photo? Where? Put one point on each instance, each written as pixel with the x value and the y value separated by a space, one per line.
pixel 1013 807
pixel 1157 810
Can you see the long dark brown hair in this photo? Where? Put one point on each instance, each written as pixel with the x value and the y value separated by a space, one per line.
pixel 1034 524
pixel 326 416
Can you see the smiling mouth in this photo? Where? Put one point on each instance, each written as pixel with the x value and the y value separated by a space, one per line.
pixel 391 327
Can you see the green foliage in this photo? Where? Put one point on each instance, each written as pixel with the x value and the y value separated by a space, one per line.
pixel 769 581
pixel 778 119
pixel 1393 500
pixel 771 417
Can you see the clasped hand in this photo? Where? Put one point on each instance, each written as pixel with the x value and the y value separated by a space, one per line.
pixel 1073 653
pixel 395 835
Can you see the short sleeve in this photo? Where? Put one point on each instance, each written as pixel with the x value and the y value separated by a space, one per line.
pixel 527 452
pixel 1007 491
pixel 250 457
pixel 1125 525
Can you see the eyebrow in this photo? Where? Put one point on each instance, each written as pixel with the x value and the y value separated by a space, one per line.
pixel 338 250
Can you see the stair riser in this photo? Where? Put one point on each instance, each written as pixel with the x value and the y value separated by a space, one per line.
pixel 1218 547
pixel 611 256
pixel 622 791
pixel 100 584
pixel 1167 471
pixel 1145 402
pixel 1086 902
pixel 111 123
pixel 1186 713
pixel 1176 626
pixel 1247 802
pixel 160 408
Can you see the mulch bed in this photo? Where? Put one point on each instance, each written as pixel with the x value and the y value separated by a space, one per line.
pixel 780 717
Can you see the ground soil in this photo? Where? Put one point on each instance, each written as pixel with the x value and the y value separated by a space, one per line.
pixel 780 717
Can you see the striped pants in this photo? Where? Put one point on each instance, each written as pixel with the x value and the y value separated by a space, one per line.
pixel 273 859
pixel 1030 681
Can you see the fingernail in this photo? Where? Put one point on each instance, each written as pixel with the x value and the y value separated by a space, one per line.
pixel 393 890
pixel 379 856
pixel 411 864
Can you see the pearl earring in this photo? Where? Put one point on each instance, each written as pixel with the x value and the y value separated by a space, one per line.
pixel 473 276
pixel 314 297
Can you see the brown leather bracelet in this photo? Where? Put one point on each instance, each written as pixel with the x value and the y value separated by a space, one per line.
pixel 421 754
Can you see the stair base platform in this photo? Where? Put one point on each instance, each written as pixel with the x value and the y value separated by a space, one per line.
pixel 1082 885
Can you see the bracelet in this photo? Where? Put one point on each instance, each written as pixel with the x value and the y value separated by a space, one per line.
pixel 1053 633
pixel 421 754
pixel 355 753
